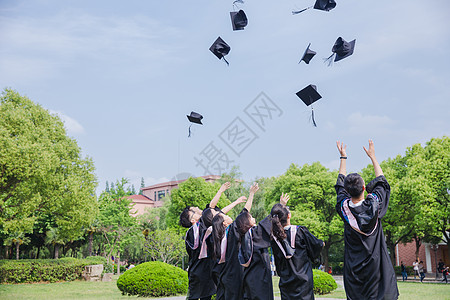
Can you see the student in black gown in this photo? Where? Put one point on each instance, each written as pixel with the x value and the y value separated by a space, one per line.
pixel 254 256
pixel 368 271
pixel 226 236
pixel 201 286
pixel 294 247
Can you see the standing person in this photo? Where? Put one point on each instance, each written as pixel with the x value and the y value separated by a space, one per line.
pixel 440 266
pixel 368 271
pixel 201 286
pixel 404 274
pixel 416 268
pixel 293 248
pixel 226 236
pixel 444 273
pixel 421 272
pixel 254 257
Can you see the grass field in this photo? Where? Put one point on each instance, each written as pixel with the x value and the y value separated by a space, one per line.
pixel 109 290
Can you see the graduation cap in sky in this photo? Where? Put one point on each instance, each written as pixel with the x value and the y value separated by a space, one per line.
pixel 325 5
pixel 308 55
pixel 309 95
pixel 238 20
pixel 194 118
pixel 341 49
pixel 219 48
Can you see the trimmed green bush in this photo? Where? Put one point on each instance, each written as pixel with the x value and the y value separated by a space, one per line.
pixel 153 279
pixel 324 283
pixel 409 270
pixel 47 270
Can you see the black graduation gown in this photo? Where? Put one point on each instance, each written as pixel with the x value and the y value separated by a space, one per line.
pixel 199 272
pixel 368 271
pixel 257 275
pixel 296 276
pixel 230 273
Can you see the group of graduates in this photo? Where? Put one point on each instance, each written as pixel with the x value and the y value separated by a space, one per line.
pixel 230 258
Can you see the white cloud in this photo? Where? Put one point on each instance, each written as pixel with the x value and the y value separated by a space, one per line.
pixel 72 126
pixel 369 125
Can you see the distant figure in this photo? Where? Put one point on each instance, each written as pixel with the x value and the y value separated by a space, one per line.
pixel 322 267
pixel 421 271
pixel 131 266
pixel 445 273
pixel 416 268
pixel 404 274
pixel 368 271
pixel 330 271
pixel 440 266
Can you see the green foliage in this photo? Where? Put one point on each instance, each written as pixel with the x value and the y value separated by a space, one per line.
pixel 323 282
pixel 43 173
pixel 153 279
pixel 48 270
pixel 192 192
pixel 409 270
pixel 165 245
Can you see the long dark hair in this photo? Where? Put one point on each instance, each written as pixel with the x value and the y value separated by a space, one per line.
pixel 279 215
pixel 243 223
pixel 218 232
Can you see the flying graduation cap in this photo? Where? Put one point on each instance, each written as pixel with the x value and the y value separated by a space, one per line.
pixel 307 55
pixel 238 20
pixel 194 118
pixel 325 5
pixel 309 95
pixel 219 48
pixel 341 49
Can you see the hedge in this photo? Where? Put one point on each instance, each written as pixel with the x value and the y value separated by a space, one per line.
pixel 153 279
pixel 409 270
pixel 45 270
pixel 324 283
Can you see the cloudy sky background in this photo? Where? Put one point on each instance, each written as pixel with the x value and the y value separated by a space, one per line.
pixel 123 75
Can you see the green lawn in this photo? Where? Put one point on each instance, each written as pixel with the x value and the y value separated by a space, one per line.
pixel 108 290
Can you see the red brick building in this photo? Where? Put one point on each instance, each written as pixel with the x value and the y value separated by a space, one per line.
pixel 428 253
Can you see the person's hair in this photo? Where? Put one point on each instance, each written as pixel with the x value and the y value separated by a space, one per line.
pixel 185 220
pixel 354 184
pixel 243 223
pixel 279 215
pixel 218 232
pixel 207 217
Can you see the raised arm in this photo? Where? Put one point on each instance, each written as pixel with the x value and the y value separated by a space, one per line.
pixel 253 189
pixel 216 198
pixel 229 207
pixel 371 154
pixel 343 164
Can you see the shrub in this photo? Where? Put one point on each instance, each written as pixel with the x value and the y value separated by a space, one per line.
pixel 49 270
pixel 122 269
pixel 409 270
pixel 323 282
pixel 153 279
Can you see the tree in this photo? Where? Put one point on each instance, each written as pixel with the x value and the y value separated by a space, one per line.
pixel 142 186
pixel 114 218
pixel 165 245
pixel 192 192
pixel 53 237
pixel 312 201
pixel 17 239
pixel 42 173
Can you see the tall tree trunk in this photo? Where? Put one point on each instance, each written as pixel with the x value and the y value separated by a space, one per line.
pixel 418 244
pixel 91 238
pixel 391 246
pixel 118 262
pixel 56 251
pixel 17 250
pixel 38 252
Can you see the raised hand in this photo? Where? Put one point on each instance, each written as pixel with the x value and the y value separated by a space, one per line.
pixel 371 152
pixel 342 148
pixel 254 188
pixel 284 198
pixel 241 199
pixel 225 187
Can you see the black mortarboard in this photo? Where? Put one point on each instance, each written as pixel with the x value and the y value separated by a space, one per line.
pixel 238 20
pixel 308 55
pixel 326 5
pixel 343 48
pixel 219 48
pixel 309 95
pixel 194 118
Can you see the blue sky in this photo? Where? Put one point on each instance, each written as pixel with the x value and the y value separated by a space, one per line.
pixel 123 75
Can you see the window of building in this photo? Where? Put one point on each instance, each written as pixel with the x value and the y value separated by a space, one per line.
pixel 161 194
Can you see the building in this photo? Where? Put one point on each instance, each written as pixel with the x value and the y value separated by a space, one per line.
pixel 428 253
pixel 152 195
